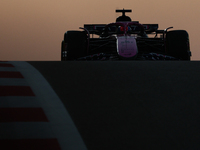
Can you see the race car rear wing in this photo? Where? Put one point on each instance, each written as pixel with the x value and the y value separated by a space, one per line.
pixel 149 28
pixel 95 28
pixel 98 28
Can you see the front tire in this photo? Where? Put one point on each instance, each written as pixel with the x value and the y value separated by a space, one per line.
pixel 63 51
pixel 75 44
pixel 177 44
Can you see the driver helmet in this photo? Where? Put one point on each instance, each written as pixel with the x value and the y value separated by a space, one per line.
pixel 121 28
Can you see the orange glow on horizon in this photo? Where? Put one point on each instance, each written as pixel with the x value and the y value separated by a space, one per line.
pixel 33 30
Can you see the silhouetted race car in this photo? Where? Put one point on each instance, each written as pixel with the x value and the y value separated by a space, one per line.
pixel 125 40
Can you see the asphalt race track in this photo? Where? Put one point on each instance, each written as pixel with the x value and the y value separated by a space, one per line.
pixel 130 104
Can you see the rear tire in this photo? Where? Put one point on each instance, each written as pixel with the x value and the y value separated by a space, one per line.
pixel 177 44
pixel 75 44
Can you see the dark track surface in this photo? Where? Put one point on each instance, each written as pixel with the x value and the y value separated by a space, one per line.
pixel 130 105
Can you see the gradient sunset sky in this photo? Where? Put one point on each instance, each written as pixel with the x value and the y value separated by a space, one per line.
pixel 32 30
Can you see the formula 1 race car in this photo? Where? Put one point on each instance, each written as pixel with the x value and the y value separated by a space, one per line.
pixel 125 40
